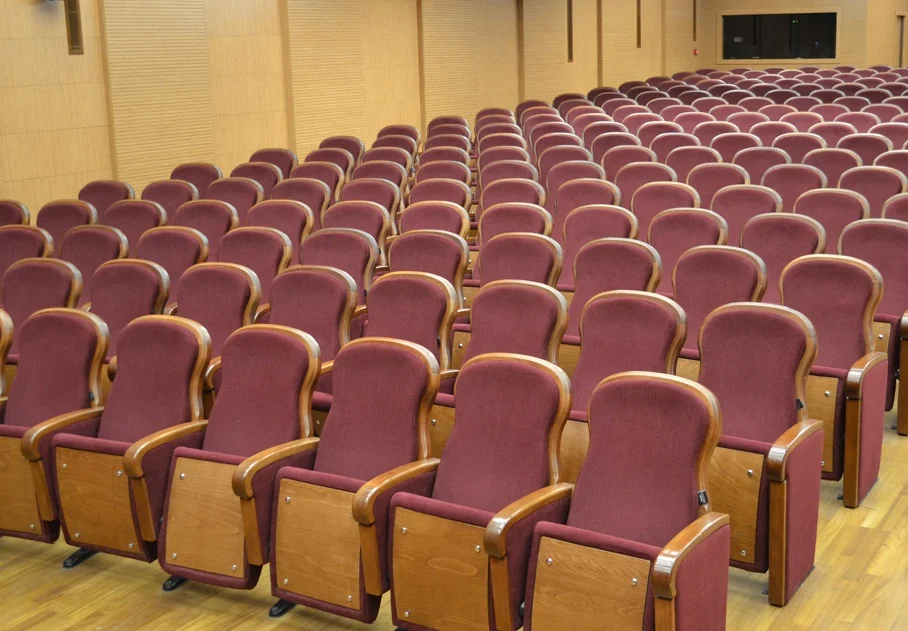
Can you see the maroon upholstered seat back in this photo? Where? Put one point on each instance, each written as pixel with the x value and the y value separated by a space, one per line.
pixel 416 307
pixel 283 159
pixel 313 193
pixel 790 181
pixel 174 248
pixel 13 213
pixel 684 159
pixel 866 145
pixel 292 218
pixel 707 277
pixel 444 170
pixel 834 208
pixel 728 145
pixel 580 192
pixel 169 194
pixel 508 411
pixel 442 190
pixel 200 174
pixel 265 173
pixel 30 285
pixel 240 192
pixel 87 247
pixel 351 144
pixel 619 157
pixel 212 218
pixel 331 175
pixel 516 316
pixel 833 163
pixel 134 217
pixel 59 216
pixel 876 184
pixel 160 366
pixel 400 141
pixel 265 251
pixel 521 256
pixel 103 193
pixel 839 294
pixel 513 217
pixel 318 300
pixel 22 242
pixel 654 197
pixel 59 369
pixel 378 420
pixel 506 169
pixel 376 190
pixel 709 179
pixel 667 429
pixel 510 190
pixel 432 251
pixel 347 249
pixel 122 291
pixel 267 376
pixel 390 154
pixel 454 154
pixel 622 331
pixel 369 217
pixel 755 359
pixel 884 244
pixel 590 222
pixel 446 216
pixel 798 145
pixel 222 297
pixel 676 230
pixel 738 204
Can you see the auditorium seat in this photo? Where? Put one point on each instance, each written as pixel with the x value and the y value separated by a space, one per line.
pixel 87 247
pixel 504 169
pixel 833 132
pixel 103 193
pixel 212 218
pixel 886 112
pixel 199 174
pixel 448 140
pixel 351 144
pixel 446 216
pixel 738 204
pixel 240 192
pixel 586 223
pixel 798 145
pixel 723 110
pixel 876 184
pixel 863 122
pixel 439 252
pixel 791 180
pixel 591 133
pixel 562 174
pixel 441 191
pixel 175 248
pixel 22 242
pixel 691 120
pixel 765 473
pixel 406 143
pixel 154 406
pixel 897 133
pixel 683 159
pixel 13 213
pixel 515 256
pixel 626 143
pixel 728 145
pixel 56 390
pixel 169 194
pixel 868 146
pixel 345 160
pixel 661 545
pixel 510 190
pixel 283 159
pixel 511 217
pixel 708 179
pixel 832 162
pixel 265 251
pixel 331 175
pixel 664 144
pixel 444 169
pixel 265 173
pixel 677 230
pixel 839 295
pixel 768 132
pixel 293 219
pixel 373 190
pixel 834 209
pixel 57 217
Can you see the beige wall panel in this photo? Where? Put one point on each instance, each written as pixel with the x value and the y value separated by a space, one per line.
pixel 883 31
pixel 679 42
pixel 621 59
pixel 54 134
pixel 583 74
pixel 544 48
pixel 159 86
pixel 248 89
pixel 497 64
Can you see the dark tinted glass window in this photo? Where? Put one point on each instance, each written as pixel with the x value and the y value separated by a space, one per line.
pixel 779 36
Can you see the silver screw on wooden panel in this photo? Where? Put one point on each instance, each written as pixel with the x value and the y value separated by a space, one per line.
pixel 349 598
pixel 750 473
pixel 827 393
pixel 233 567
pixel 287 500
pixel 182 476
pixel 434 421
pixel 173 556
pixel 743 553
pixel 460 346
pixel 286 581
pixel 76 535
pixel 478 548
pixel 406 614
pixel 634 582
pixel 31 526
pixel 119 474
pixel 549 561
pixel 131 546
pixel 881 336
pixel 822 463
pixel 64 465
pixel 403 530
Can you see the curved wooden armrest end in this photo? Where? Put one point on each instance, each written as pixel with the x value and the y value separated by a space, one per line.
pixel 855 380
pixel 213 368
pixel 497 531
pixel 665 570
pixel 359 310
pixel 462 313
pixel 450 373
pixel 368 494
pixel 170 309
pixel 246 470
pixel 262 311
pixel 86 307
pixel 327 367
pixel 781 450
pixel 384 269
pixel 903 327
pixel 132 461
pixel 32 439
pixel 112 368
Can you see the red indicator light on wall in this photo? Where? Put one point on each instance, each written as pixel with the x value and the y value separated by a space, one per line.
pixel 696 51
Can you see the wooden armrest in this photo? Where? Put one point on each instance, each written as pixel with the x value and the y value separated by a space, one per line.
pixel 327 367
pixel 368 494
pixel 382 269
pixel 213 368
pixel 497 531
pixel 262 311
pixel 132 461
pixel 170 309
pixel 86 307
pixel 855 379
pixel 33 437
pixel 903 327
pixel 246 470
pixel 781 450
pixel 360 310
pixel 462 313
pixel 451 373
pixel 665 570
pixel 112 369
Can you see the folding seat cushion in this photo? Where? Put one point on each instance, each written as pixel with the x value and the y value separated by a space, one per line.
pixel 690 121
pixel 645 542
pixel 103 193
pixel 242 193
pixel 722 112
pixel 737 204
pixel 833 132
pixel 441 190
pixel 832 162
pixel 653 197
pixel 376 190
pixel 778 239
pixel 444 169
pixel 769 131
pixel 881 242
pixel 579 164
pixel 22 242
pixel 868 146
pixel 59 216
pixel 87 247
pixel 707 277
pixel 683 159
pixel 798 145
pixel 13 213
pixel 876 184
pixel 610 264
pixel 437 252
pixel 754 103
pixel 863 122
pixel 212 218
pixel 124 290
pixel 664 144
pixel 59 373
pixel 265 173
pixel 293 219
pixel 175 248
pixel 834 209
pixel 265 251
pixel 413 133
pixel 516 256
pixel 351 144
pixel 248 418
pixel 169 194
pixel 32 284
pixel 283 159
pixel 755 359
pixel 199 174
pixel 707 131
pixel 608 141
pixel 531 402
pixel 674 111
pixel 154 407
pixel 587 223
pixel 840 294
pixel 134 217
pixel 406 143
pixel 510 190
pixel 676 230
pixel 728 145
pixel 709 179
pixel 791 180
pixel 446 216
pixel 501 140
pixel 344 159
pixel 385 170
pixel 802 120
pixel 313 193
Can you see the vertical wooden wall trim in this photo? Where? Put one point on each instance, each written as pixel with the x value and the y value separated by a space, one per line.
pixel 288 77
pixel 114 166
pixel 423 121
pixel 521 54
pixel 599 44
pixel 639 26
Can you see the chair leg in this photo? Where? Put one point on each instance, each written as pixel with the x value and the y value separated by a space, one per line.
pixel 77 557
pixel 279 608
pixel 173 582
